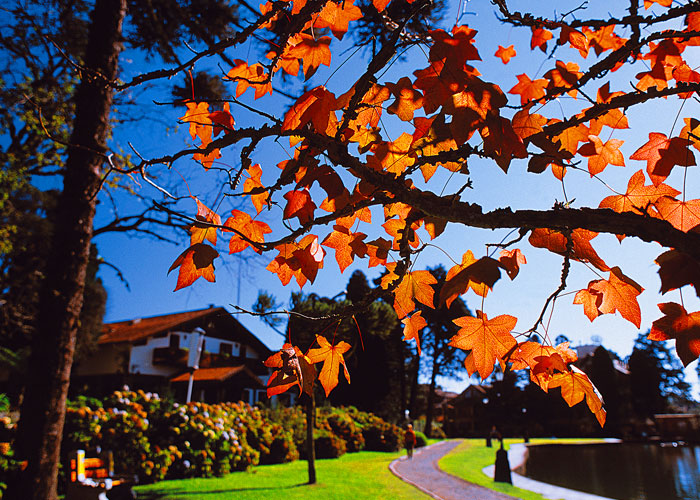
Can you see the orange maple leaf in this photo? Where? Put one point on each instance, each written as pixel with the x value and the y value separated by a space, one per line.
pixel 195 262
pixel 478 274
pixel 663 3
pixel 300 260
pixel 412 326
pixel 253 181
pixel 575 386
pixel 316 107
pixel 540 37
pixel 526 124
pixel 618 293
pixel 456 48
pixel 347 245
pixel 662 154
pixel 332 357
pixel 222 120
pixel 395 156
pixel 555 241
pixel 501 142
pixel 570 138
pixel 506 54
pixel 414 285
pixel 200 123
pixel 563 76
pixel 295 369
pixel 250 76
pixel 684 215
pixel 601 155
pixel 337 16
pixel 407 99
pixel 638 198
pixel 311 51
pixel 488 340
pixel 203 231
pixel 242 224
pixel 677 324
pixel 529 90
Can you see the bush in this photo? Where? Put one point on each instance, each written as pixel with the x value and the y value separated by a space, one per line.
pixel 326 445
pixel 382 436
pixel 343 426
pixel 421 440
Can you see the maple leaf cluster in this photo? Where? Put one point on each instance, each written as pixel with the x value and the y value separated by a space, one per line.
pixel 347 174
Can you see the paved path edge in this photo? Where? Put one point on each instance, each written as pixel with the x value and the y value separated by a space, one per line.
pixel 392 468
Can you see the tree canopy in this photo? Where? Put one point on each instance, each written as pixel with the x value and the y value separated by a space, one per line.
pixel 410 148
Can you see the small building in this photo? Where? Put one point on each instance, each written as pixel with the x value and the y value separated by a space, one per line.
pixel 465 414
pixel 152 354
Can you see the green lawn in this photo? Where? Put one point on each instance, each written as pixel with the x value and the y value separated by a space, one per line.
pixel 470 457
pixel 352 476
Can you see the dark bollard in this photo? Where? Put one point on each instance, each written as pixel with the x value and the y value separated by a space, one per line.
pixel 502 473
pixel 488 441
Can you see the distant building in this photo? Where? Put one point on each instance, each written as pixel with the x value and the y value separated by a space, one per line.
pixel 465 414
pixel 152 354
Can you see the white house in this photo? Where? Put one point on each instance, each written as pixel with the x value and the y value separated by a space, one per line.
pixel 152 354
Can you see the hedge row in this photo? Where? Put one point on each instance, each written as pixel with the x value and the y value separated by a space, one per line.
pixel 159 439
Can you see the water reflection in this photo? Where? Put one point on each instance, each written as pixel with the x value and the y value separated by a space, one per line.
pixel 626 471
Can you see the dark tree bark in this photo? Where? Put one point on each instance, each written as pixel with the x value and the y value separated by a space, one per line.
pixel 43 410
pixel 310 445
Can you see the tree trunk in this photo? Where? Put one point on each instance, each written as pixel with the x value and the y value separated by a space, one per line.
pixel 431 401
pixel 310 445
pixel 43 410
pixel 415 368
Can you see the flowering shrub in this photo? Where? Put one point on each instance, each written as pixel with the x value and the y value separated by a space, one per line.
pixel 344 427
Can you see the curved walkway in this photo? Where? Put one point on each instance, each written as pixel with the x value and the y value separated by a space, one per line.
pixel 423 472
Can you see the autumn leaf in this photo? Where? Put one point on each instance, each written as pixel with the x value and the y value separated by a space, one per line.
pixel 313 52
pixel 601 155
pixel 556 242
pixel 526 124
pixel 407 99
pixel 299 205
pixel 488 340
pixel 337 17
pixel 242 225
pixel 316 107
pixel 563 76
pixel 683 215
pixel 332 358
pixel 662 154
pixel 677 324
pixel 347 245
pixel 676 270
pixel 511 260
pixel 539 39
pixel 300 260
pixel 412 327
pixel 222 120
pixel 197 116
pixel 618 293
pixel 195 262
pixel 253 181
pixel 506 54
pixel 638 198
pixel 246 76
pixel 529 90
pixel 575 386
pixel 294 369
pixel 203 230
pixel 414 285
pixel 478 274
pixel 455 48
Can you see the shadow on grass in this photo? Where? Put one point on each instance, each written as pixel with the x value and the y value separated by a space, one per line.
pixel 162 495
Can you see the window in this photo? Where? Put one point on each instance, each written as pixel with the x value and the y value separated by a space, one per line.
pixel 226 348
pixel 174 341
pixel 242 352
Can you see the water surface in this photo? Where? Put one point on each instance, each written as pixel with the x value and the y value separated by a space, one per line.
pixel 627 471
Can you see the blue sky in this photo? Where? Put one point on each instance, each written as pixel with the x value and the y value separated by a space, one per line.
pixel 144 262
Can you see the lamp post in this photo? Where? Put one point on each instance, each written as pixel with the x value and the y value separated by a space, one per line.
pixel 196 342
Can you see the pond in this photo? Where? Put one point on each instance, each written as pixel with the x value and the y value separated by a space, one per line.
pixel 628 471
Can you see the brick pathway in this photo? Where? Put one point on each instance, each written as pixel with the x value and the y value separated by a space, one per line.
pixel 423 473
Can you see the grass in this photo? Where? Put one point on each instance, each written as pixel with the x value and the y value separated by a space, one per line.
pixel 469 458
pixel 353 476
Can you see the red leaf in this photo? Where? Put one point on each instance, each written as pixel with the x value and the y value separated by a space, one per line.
pixel 201 232
pixel 677 269
pixel 555 241
pixel 414 285
pixel 299 205
pixel 243 225
pixel 540 36
pixel 347 245
pixel 316 107
pixel 478 274
pixel 684 215
pixel 511 260
pixel 195 262
pixel 662 154
pixel 601 155
pixel 638 198
pixel 337 16
pixel 618 293
pixel 529 90
pixel 679 325
pixel 575 386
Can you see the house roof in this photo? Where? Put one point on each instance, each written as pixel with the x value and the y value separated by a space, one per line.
pixel 216 321
pixel 218 374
